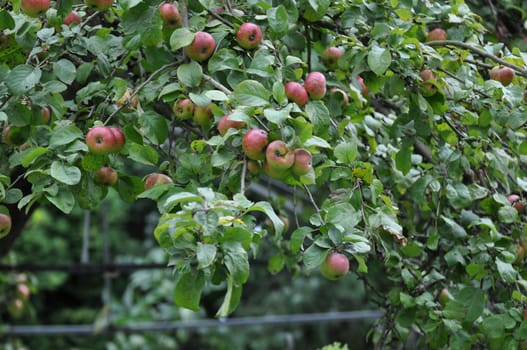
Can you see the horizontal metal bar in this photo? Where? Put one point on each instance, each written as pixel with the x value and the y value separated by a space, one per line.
pixel 82 268
pixel 55 330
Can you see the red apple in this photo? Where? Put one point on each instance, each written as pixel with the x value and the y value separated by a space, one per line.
pixel 202 115
pixel 157 179
pixel 170 15
pixel 436 34
pixel 99 5
pixel 183 108
pixel 120 139
pixel 335 266
pixel 106 176
pixel 72 17
pixel 100 140
pixel 296 92
pixel 14 135
pixel 253 144
pixel 253 166
pixel 502 74
pixel 516 202
pixel 274 173
pixel 363 88
pixel 202 47
pixel 279 156
pixel 5 224
pixel 302 164
pixel 444 296
pixel 34 8
pixel 45 115
pixel 427 88
pixel 225 124
pixel 331 55
pixel 249 36
pixel 315 85
pixel 22 290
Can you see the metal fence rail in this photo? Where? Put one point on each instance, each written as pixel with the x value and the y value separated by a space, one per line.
pixel 88 329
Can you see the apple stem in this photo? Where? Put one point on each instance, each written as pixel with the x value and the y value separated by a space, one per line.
pixel 480 52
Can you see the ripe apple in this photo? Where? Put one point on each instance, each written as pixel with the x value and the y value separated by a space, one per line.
pixel 183 108
pixel 72 17
pixel 331 55
pixel 296 92
pixel 249 36
pixel 302 164
pixel 427 88
pixel 274 173
pixel 99 5
pixel 254 142
pixel 22 290
pixel 120 139
pixel 279 156
pixel 225 124
pixel 45 115
pixel 315 85
pixel 202 115
pixel 363 88
pixel 16 308
pixel 344 95
pixel 516 202
pixel 444 296
pixel 101 140
pixel 106 176
pixel 436 34
pixel 335 266
pixel 5 224
pixel 520 253
pixel 254 167
pixel 14 135
pixel 202 47
pixel 170 15
pixel 502 74
pixel 34 8
pixel 157 179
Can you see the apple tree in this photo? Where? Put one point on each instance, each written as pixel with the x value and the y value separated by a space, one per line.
pixel 394 128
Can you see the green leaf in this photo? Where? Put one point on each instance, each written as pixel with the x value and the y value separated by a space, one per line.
pixel 346 152
pixel 314 256
pixel 454 228
pixel 181 37
pixel 64 135
pixel 236 261
pixel 403 159
pixel 251 93
pixel 276 263
pixel 506 271
pixel 231 299
pixel 154 126
pixel 268 210
pixel 343 215
pixel 67 174
pixel 64 200
pixel 297 238
pixel 379 59
pixel 34 154
pixel 276 116
pixel 188 289
pixel 474 301
pixel 178 198
pixel 65 70
pixel 6 21
pixel 318 113
pixel 278 22
pixel 206 254
pixel 143 154
pixel 190 74
pixel 22 79
pixel 224 59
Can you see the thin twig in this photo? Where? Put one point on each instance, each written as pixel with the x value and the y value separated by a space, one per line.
pixel 244 173
pixel 518 69
pixel 216 84
pixel 312 200
pixel 221 19
pixel 461 81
